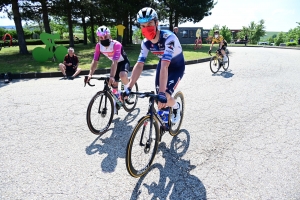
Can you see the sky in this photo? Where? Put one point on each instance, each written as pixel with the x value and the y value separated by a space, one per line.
pixel 279 15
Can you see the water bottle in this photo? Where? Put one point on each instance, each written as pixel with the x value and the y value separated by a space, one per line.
pixel 164 115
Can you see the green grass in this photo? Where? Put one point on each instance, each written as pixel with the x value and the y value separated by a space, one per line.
pixel 12 61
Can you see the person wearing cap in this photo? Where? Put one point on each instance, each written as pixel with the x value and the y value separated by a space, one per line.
pixel 70 65
pixel 222 44
pixel 171 65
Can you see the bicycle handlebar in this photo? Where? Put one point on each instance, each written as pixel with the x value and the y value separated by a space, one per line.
pixel 145 94
pixel 97 78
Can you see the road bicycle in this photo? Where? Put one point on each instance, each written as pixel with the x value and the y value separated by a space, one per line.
pixel 101 108
pixel 143 143
pixel 216 62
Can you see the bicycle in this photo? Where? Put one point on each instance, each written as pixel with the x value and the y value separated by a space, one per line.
pixel 149 139
pixel 102 105
pixel 216 62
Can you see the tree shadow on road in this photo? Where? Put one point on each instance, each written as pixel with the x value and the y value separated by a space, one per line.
pixel 113 144
pixel 175 180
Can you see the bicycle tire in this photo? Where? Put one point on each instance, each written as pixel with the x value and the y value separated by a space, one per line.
pixel 226 65
pixel 214 64
pixel 134 142
pixel 174 128
pixel 93 122
pixel 131 107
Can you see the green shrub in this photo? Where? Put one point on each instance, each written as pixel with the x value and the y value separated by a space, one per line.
pixel 291 44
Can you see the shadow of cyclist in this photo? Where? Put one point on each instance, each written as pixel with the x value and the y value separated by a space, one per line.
pixel 224 74
pixel 175 180
pixel 113 144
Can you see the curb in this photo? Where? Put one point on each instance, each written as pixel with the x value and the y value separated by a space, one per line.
pixel 86 72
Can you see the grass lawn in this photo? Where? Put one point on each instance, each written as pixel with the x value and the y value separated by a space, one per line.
pixel 12 61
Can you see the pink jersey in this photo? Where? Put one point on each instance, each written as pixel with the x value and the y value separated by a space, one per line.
pixel 113 52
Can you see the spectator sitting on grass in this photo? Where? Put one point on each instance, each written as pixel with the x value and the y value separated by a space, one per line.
pixel 70 65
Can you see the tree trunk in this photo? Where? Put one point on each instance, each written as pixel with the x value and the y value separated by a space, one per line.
pixel 19 28
pixel 130 30
pixel 92 27
pixel 71 36
pixel 45 16
pixel 126 31
pixel 171 20
pixel 84 30
pixel 176 19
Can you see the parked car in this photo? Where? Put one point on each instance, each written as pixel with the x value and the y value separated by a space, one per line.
pixel 263 43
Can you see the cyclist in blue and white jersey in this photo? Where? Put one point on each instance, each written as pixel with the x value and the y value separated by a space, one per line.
pixel 171 66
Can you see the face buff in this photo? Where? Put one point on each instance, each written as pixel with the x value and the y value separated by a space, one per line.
pixel 149 32
pixel 105 42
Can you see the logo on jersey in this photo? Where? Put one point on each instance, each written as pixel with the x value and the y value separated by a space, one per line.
pixel 170 45
pixel 171 82
pixel 165 35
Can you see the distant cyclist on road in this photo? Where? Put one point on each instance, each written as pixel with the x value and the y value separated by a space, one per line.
pixel 171 66
pixel 222 44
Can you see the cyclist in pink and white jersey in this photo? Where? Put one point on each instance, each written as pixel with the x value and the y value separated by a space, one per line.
pixel 114 51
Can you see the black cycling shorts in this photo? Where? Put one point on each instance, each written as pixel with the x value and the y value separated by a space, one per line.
pixel 123 66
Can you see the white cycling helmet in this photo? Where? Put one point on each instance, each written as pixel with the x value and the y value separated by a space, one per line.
pixel 146 14
pixel 102 31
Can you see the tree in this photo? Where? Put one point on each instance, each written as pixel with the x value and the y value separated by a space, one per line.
pixel 19 28
pixel 279 39
pixel 224 31
pixel 180 11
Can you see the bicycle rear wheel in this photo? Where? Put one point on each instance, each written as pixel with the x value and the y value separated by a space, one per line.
pixel 214 64
pixel 141 149
pixel 226 65
pixel 174 128
pixel 132 99
pixel 100 113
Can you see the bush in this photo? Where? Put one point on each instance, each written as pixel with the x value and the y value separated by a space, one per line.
pixel 291 44
pixel 39 42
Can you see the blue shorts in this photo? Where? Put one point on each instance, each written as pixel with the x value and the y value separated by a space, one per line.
pixel 174 77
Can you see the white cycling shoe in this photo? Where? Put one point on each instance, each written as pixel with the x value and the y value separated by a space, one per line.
pixel 225 59
pixel 176 114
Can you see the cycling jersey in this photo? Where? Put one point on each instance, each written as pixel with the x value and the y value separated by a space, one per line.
pixel 168 49
pixel 113 52
pixel 217 40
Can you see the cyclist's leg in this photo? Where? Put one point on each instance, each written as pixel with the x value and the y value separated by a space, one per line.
pixel 122 71
pixel 174 77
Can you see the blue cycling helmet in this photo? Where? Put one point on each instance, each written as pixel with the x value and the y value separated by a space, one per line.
pixel 146 14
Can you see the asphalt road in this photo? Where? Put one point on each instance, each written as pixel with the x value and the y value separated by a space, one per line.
pixel 240 138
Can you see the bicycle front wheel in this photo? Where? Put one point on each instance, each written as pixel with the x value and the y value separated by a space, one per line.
pixel 142 147
pixel 214 64
pixel 131 101
pixel 100 113
pixel 226 65
pixel 175 127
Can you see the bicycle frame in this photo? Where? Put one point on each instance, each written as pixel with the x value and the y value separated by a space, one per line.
pixel 151 112
pixel 106 89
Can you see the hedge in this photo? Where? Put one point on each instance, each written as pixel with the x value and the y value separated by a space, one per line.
pixel 291 44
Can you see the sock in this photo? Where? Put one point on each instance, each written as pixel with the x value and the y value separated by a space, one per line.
pixel 115 91
pixel 126 86
pixel 175 106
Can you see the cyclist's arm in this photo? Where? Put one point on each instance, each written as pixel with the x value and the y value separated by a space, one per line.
pixel 212 44
pixel 94 63
pixel 163 76
pixel 116 57
pixel 138 67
